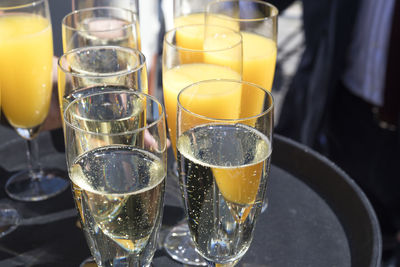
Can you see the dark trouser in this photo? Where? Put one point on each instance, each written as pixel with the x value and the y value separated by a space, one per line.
pixel 368 153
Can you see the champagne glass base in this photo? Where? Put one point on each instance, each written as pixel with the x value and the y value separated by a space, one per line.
pixel 9 219
pixel 89 262
pixel 48 183
pixel 179 245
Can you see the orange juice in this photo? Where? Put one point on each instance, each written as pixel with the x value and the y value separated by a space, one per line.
pixel 223 48
pixel 239 185
pixel 193 37
pixel 26 51
pixel 259 58
pixel 175 79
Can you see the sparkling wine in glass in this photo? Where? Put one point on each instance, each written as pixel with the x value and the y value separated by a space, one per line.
pixel 220 56
pixel 26 51
pixel 224 162
pixel 87 70
pixel 117 168
pixel 100 26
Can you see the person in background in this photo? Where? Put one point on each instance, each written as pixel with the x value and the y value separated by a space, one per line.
pixel 344 100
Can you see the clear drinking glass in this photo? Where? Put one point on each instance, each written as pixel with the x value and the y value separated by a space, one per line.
pixel 88 70
pixel 189 12
pixel 100 68
pixel 224 162
pixel 257 22
pixel 220 56
pixel 116 156
pixel 100 26
pixel 192 12
pixel 26 51
pixel 128 4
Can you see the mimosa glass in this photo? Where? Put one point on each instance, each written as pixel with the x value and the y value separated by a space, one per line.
pixel 224 162
pixel 257 22
pixel 219 57
pixel 192 12
pixel 189 12
pixel 26 51
pixel 116 156
pixel 100 26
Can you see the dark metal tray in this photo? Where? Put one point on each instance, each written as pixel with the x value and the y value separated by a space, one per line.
pixel 316 216
pixel 323 217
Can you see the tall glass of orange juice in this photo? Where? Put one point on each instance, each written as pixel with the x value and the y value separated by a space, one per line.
pixel 220 56
pixel 192 12
pixel 189 12
pixel 26 51
pixel 257 22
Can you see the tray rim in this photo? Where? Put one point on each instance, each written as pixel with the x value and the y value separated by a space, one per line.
pixel 279 161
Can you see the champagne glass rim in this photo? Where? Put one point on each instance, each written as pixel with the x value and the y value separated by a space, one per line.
pixel 79 11
pixel 141 65
pixel 131 92
pixel 171 44
pixel 274 10
pixel 238 120
pixel 19 6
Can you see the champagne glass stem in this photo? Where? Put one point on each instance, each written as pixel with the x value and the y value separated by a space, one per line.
pixel 131 261
pixel 35 184
pixel 32 155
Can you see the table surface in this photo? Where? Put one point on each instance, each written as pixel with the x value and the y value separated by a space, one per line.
pixel 301 227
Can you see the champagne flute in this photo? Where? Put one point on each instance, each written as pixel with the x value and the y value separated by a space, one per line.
pixel 26 51
pixel 189 12
pixel 116 156
pixel 219 57
pixel 100 26
pixel 257 22
pixel 192 12
pixel 87 70
pixel 224 162
pixel 128 4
